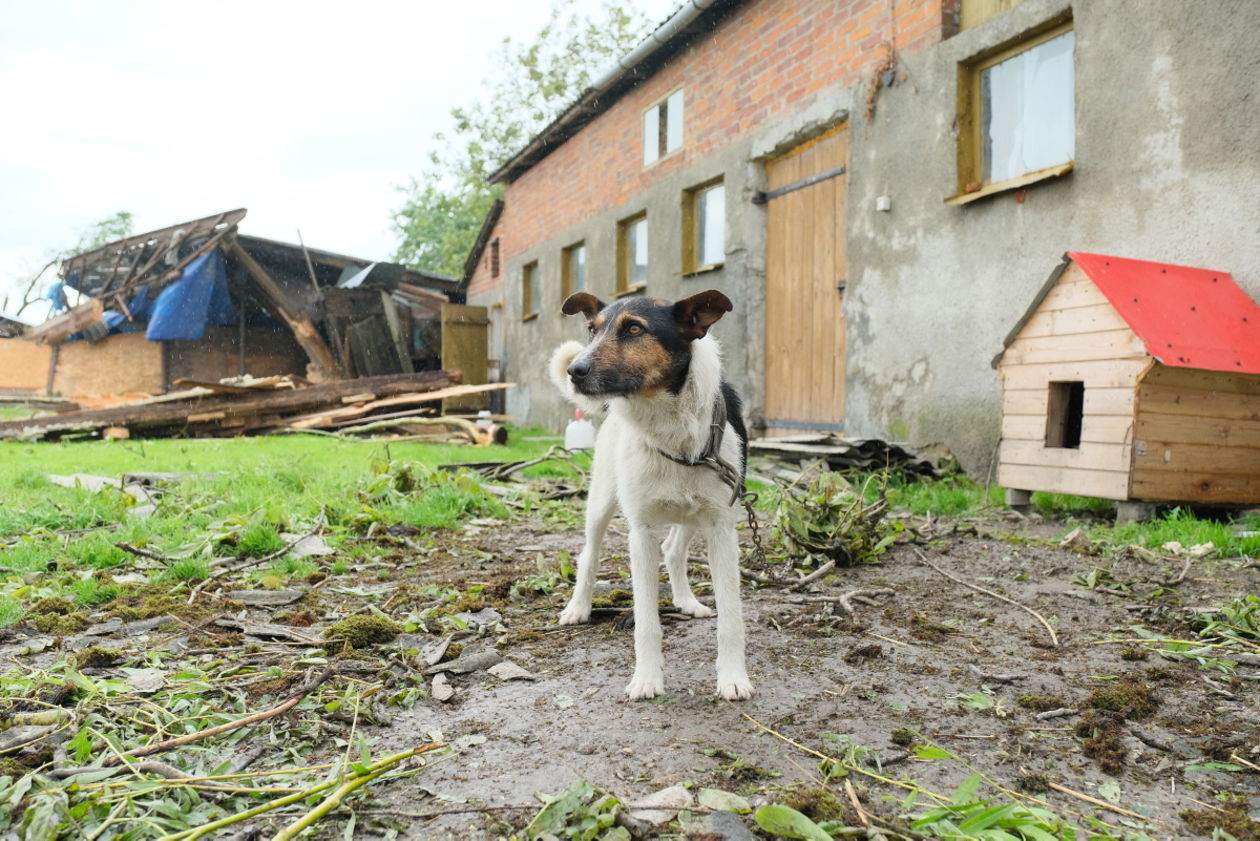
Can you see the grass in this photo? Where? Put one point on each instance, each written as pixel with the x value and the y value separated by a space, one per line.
pixel 1183 526
pixel 240 497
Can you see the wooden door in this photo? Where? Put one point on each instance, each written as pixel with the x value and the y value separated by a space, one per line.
pixel 465 337
pixel 805 273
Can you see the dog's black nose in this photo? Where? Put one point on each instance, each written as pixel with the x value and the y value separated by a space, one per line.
pixel 579 369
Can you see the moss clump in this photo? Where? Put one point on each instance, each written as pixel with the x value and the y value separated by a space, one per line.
pixel 1033 783
pixel 903 737
pixel 1131 698
pixel 925 629
pixel 613 598
pixel 52 604
pixel 1231 818
pixel 817 804
pixel 1133 653
pixel 862 653
pixel 363 631
pixel 97 657
pixel 1100 732
pixel 61 625
pixel 1039 703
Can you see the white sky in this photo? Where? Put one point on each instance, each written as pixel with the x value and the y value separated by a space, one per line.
pixel 311 114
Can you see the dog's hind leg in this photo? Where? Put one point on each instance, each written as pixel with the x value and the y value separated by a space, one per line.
pixel 645 576
pixel 601 504
pixel 732 673
pixel 675 550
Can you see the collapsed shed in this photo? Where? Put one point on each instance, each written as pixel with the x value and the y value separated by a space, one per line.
pixel 201 302
pixel 1134 381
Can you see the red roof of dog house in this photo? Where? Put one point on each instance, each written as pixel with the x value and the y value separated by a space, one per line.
pixel 1186 317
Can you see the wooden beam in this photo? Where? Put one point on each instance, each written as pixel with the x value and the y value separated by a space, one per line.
pixel 67 324
pixel 303 329
pixel 396 332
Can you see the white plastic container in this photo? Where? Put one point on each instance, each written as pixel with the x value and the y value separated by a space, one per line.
pixel 580 433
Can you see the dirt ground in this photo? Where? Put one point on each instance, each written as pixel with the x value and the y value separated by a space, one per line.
pixel 932 663
pixel 886 677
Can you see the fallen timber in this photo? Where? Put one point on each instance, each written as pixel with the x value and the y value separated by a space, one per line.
pixel 217 415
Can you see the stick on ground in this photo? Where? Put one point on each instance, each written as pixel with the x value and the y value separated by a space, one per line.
pixel 1054 639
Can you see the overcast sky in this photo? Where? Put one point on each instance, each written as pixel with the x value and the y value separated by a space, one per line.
pixel 309 114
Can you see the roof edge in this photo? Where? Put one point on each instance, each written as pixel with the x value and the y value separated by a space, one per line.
pixel 1032 308
pixel 483 238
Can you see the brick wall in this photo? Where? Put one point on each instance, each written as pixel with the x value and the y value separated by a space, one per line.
pixel 767 58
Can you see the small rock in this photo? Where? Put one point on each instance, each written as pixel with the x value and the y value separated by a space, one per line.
pixel 16 736
pixel 723 801
pixel 467 663
pixel 258 598
pixel 83 480
pixel 145 681
pixel 657 809
pixel 722 825
pixel 507 670
pixel 1076 539
pixel 310 546
pixel 432 654
pixel 100 629
pixel 142 512
pixel 442 689
pixel 487 617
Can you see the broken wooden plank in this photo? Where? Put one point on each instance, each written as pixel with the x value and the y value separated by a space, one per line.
pixel 260 409
pixel 71 321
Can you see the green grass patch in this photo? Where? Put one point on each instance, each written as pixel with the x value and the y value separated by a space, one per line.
pixel 1183 526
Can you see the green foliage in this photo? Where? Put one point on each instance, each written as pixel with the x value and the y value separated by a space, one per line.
pixel 10 611
pixel 952 496
pixel 786 822
pixel 580 812
pixel 969 817
pixel 1238 620
pixel 95 235
pixel 828 518
pixel 534 82
pixel 1182 526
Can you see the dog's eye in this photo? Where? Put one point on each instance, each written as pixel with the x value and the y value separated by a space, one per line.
pixel 591 329
pixel 634 330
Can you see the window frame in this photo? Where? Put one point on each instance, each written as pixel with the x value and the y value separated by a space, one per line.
pixel 970 139
pixel 662 149
pixel 624 270
pixel 531 288
pixel 566 269
pixel 691 234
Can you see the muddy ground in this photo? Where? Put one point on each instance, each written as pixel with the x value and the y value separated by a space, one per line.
pixel 887 677
pixel 933 664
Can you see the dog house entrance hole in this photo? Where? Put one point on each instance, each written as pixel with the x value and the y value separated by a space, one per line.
pixel 1065 413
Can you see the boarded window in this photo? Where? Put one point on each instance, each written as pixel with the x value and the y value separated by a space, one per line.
pixel 1065 415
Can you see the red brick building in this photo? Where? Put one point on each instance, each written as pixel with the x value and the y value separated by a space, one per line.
pixel 876 184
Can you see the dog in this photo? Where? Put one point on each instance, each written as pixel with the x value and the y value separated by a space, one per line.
pixel 670 453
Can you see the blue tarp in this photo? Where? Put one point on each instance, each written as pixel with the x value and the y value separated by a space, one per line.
pixel 200 297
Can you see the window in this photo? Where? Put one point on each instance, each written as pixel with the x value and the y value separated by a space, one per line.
pixel 663 128
pixel 1016 116
pixel 531 292
pixel 1065 415
pixel 632 254
pixel 494 257
pixel 704 226
pixel 573 269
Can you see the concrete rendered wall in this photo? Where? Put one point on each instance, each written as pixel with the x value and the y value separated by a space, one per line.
pixel 1167 168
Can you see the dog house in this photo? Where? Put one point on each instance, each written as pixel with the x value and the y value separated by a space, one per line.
pixel 1133 381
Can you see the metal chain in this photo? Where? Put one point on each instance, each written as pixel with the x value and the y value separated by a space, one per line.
pixel 758 551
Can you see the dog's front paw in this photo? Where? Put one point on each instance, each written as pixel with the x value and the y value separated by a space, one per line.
pixel 694 607
pixel 642 688
pixel 737 689
pixel 575 615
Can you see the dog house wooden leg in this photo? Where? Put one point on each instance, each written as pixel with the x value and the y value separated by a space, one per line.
pixel 1018 500
pixel 1134 512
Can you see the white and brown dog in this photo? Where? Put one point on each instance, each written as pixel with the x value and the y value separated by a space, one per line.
pixel 671 454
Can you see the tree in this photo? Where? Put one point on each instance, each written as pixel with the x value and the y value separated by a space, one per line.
pixel 534 82
pixel 92 237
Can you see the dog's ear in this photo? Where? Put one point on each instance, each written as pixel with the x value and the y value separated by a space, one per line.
pixel 695 315
pixel 583 302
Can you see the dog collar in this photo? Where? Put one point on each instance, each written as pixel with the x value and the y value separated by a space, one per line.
pixel 711 457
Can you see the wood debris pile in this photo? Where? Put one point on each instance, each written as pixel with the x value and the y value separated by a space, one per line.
pixel 841 454
pixel 391 403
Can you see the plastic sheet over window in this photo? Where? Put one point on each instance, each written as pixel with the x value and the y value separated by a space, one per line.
pixel 1027 111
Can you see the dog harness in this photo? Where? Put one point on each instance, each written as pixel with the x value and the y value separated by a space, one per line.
pixel 711 456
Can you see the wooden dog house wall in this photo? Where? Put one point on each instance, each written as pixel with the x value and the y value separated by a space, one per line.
pixel 1133 381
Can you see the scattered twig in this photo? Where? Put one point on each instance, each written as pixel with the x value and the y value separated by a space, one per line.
pixel 1059 713
pixel 988 678
pixel 857 804
pixel 144 553
pixel 1234 757
pixel 1102 804
pixel 1218 689
pixel 814 576
pixel 252 562
pixel 1181 576
pixel 288 704
pixel 760 579
pixel 1054 639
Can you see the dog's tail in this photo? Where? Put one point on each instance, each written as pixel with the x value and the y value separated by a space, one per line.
pixel 561 359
